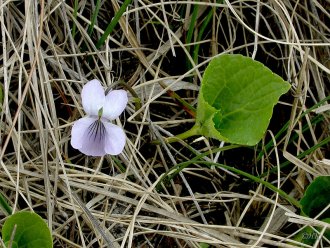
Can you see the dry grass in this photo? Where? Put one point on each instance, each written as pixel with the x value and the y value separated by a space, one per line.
pixel 113 201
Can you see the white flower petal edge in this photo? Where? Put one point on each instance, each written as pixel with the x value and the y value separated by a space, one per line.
pixel 115 103
pixel 115 139
pixel 91 148
pixel 79 130
pixel 92 96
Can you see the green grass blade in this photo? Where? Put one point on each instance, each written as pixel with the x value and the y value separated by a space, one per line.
pixel 200 34
pixel 5 206
pixel 192 26
pixel 270 144
pixel 300 156
pixel 193 23
pixel 94 17
pixel 113 23
pixel 75 14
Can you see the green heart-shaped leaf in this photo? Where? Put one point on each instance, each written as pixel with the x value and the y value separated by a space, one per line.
pixel 314 201
pixel 236 99
pixel 31 231
pixel 317 197
pixel 327 232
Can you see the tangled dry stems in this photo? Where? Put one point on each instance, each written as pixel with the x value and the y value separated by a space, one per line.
pixel 94 202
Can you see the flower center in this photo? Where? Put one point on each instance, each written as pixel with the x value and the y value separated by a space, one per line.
pixel 96 130
pixel 99 114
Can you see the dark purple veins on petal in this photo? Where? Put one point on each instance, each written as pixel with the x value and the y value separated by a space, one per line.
pixel 96 131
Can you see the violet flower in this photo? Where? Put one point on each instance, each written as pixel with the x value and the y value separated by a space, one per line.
pixel 93 134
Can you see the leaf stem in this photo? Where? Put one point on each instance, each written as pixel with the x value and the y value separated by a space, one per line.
pixel 183 165
pixel 195 130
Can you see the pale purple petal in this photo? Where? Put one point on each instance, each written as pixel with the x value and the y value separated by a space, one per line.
pixel 115 140
pixel 79 128
pixel 92 96
pixel 93 148
pixel 88 136
pixel 115 103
